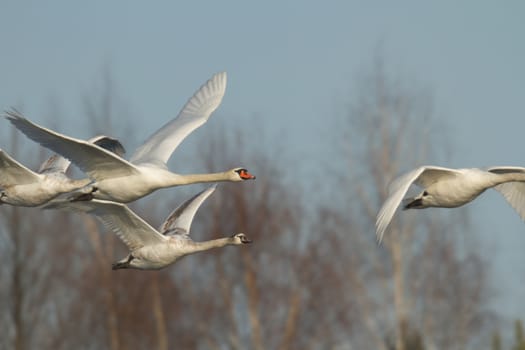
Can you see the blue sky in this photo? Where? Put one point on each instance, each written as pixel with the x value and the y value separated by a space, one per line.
pixel 291 63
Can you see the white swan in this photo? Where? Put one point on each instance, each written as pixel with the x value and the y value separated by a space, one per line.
pixel 149 248
pixel 23 187
pixel 122 181
pixel 450 188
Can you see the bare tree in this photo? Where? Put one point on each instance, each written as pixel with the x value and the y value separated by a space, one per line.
pixel 267 212
pixel 314 277
pixel 33 274
pixel 106 296
pixel 280 293
pixel 414 284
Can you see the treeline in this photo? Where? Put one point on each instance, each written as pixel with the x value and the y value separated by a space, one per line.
pixel 518 342
pixel 314 277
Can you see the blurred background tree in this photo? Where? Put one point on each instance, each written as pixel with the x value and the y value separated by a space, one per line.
pixel 314 277
pixel 519 336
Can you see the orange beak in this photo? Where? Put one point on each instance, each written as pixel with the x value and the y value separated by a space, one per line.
pixel 246 175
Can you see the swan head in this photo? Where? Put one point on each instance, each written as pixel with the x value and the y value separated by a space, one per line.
pixel 240 238
pixel 241 174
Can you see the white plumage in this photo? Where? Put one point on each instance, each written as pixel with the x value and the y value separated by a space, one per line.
pixel 151 249
pixel 21 186
pixel 117 179
pixel 450 188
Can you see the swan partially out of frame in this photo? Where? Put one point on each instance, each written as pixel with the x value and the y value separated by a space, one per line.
pixel 450 188
pixel 151 249
pixel 119 180
pixel 23 187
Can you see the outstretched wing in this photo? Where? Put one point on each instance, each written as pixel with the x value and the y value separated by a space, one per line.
pixel 423 176
pixel 513 192
pixel 117 217
pixel 14 173
pixel 180 219
pixel 109 143
pixel 57 163
pixel 159 146
pixel 506 169
pixel 94 160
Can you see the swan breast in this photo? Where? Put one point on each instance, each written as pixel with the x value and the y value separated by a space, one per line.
pixel 161 255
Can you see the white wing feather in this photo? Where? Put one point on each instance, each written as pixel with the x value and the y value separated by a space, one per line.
pixel 422 176
pixel 14 173
pixel 95 161
pixel 513 192
pixel 506 169
pixel 128 226
pixel 181 218
pixel 159 146
pixel 55 163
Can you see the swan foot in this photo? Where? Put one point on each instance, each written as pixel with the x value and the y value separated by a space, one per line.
pixel 122 264
pixel 119 265
pixel 84 196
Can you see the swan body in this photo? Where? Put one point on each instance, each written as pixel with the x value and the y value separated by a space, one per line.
pixel 152 249
pixel 117 179
pixel 20 186
pixel 450 188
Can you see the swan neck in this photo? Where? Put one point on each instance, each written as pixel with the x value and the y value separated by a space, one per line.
pixel 200 178
pixel 214 243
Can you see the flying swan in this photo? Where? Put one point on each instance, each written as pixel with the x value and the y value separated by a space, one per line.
pixel 123 181
pixel 151 249
pixel 450 188
pixel 23 187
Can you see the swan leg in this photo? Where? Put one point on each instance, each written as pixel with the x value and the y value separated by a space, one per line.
pixel 84 196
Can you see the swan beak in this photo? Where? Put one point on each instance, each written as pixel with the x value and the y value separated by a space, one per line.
pixel 413 203
pixel 245 175
pixel 246 241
